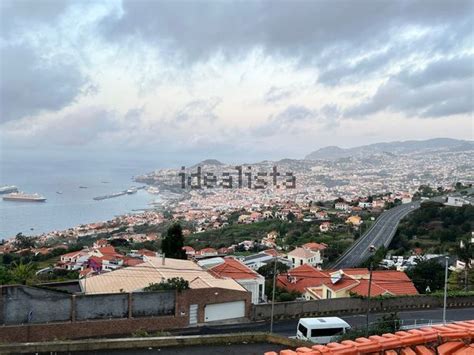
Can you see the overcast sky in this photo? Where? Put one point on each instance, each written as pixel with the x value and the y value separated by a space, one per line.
pixel 233 79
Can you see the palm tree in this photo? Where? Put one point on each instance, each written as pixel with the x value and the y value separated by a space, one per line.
pixel 23 272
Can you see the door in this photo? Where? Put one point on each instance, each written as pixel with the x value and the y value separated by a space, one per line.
pixel 193 314
pixel 222 311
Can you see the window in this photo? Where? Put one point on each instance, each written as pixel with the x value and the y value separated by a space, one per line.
pixel 303 330
pixel 301 262
pixel 328 294
pixel 326 332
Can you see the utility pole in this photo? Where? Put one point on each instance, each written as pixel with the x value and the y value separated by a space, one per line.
pixel 371 250
pixel 445 289
pixel 273 293
pixel 368 301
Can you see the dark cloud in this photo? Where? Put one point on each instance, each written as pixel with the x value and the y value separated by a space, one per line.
pixel 31 84
pixel 457 68
pixel 311 31
pixel 443 88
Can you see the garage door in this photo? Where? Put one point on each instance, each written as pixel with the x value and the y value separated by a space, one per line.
pixel 221 311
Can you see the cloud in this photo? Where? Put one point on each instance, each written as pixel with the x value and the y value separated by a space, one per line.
pixel 457 68
pixel 18 15
pixel 311 32
pixel 198 111
pixel 284 121
pixel 441 89
pixel 80 127
pixel 275 94
pixel 31 84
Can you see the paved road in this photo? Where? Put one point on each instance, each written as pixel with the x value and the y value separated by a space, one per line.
pixel 379 234
pixel 288 327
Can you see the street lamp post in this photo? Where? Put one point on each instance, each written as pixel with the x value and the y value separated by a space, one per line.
pixel 273 293
pixel 371 250
pixel 445 289
pixel 368 301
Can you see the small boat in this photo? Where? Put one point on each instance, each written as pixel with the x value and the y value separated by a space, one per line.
pixel 59 192
pixel 83 187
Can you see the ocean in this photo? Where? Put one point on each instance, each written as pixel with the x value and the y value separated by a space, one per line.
pixel 74 205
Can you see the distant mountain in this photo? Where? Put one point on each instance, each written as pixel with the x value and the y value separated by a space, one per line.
pixel 406 147
pixel 208 162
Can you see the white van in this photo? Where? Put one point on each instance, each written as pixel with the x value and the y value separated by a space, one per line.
pixel 321 330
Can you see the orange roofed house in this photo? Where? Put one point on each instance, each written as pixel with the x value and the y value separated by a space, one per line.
pixel 325 284
pixel 250 280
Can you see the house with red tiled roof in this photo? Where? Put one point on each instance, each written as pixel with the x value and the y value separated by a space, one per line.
pixel 325 284
pixel 146 252
pixel 190 252
pixel 250 280
pixel 100 243
pixel 74 260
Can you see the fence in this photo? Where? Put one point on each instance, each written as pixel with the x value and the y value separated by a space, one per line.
pixel 341 306
pixel 30 305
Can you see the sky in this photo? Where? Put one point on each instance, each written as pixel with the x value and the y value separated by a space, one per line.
pixel 232 80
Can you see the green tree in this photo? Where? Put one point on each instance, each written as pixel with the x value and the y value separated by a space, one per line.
pixel 427 273
pixel 267 270
pixel 291 216
pixel 174 283
pixel 23 242
pixel 5 276
pixel 23 273
pixel 172 244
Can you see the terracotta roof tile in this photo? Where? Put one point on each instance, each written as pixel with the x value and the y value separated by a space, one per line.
pixel 409 342
pixel 234 269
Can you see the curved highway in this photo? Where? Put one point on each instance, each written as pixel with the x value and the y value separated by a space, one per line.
pixel 379 234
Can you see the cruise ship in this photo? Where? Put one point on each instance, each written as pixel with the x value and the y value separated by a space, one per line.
pixel 22 197
pixel 8 189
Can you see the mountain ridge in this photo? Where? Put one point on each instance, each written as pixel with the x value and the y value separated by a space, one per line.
pixel 395 147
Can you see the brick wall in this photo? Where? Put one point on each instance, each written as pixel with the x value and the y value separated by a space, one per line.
pixel 77 328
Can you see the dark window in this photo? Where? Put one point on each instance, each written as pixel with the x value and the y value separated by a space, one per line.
pixel 325 332
pixel 303 330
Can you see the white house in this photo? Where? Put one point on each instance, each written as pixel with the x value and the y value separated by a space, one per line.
pixel 456 201
pixel 256 261
pixel 302 256
pixel 342 206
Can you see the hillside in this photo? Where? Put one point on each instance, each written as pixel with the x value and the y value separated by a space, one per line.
pixel 402 147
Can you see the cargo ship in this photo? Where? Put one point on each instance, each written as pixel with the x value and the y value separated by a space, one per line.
pixel 8 189
pixel 23 197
